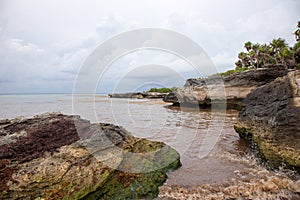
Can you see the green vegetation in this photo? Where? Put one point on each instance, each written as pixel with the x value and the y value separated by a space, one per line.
pixel 276 52
pixel 163 90
pixel 266 55
pixel 232 71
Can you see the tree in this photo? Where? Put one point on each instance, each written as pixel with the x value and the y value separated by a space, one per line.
pixel 296 48
pixel 277 46
pixel 238 64
pixel 248 46
pixel 244 59
pixel 256 59
pixel 264 54
pixel 276 52
pixel 287 56
pixel 297 32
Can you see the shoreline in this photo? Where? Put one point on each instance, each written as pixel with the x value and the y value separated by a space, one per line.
pixel 231 157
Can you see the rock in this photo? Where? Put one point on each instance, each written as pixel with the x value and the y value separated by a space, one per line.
pixel 155 95
pixel 172 98
pixel 237 86
pixel 270 121
pixel 126 95
pixel 139 95
pixel 56 156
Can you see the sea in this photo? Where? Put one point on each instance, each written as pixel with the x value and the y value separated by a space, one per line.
pixel 214 159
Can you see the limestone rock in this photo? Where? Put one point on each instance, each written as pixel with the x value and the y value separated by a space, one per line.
pixel 55 156
pixel 234 88
pixel 270 121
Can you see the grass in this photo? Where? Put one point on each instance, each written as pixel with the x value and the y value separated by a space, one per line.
pixel 229 72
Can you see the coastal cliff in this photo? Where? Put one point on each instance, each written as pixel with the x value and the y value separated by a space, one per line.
pixel 44 157
pixel 270 121
pixel 237 86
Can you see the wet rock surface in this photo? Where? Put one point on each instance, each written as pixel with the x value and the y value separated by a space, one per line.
pixel 234 88
pixel 56 156
pixel 270 121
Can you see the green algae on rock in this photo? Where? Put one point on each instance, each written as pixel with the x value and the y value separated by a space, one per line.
pixel 46 157
pixel 272 152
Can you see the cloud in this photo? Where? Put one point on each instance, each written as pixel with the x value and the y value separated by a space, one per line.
pixel 271 23
pixel 224 61
pixel 223 31
pixel 145 75
pixel 42 47
pixel 148 66
pixel 24 62
pixel 18 45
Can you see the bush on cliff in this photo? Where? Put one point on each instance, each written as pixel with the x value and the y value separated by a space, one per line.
pixel 232 71
pixel 163 90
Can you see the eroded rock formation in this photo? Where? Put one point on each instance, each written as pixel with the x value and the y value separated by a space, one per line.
pixel 270 121
pixel 234 88
pixel 55 156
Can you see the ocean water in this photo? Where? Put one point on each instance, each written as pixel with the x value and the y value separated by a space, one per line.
pixel 227 163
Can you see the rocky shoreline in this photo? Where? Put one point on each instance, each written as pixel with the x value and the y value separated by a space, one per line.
pixel 139 95
pixel 49 157
pixel 269 103
pixel 270 122
pixel 196 92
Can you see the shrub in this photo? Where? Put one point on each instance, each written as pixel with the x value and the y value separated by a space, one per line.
pixel 162 90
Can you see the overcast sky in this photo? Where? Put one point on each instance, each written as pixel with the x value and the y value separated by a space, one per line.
pixel 44 43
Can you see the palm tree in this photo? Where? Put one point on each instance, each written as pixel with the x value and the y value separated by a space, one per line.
pixel 264 54
pixel 297 32
pixel 296 48
pixel 288 59
pixel 276 52
pixel 238 64
pixel 244 58
pixel 252 59
pixel 256 58
pixel 277 45
pixel 248 46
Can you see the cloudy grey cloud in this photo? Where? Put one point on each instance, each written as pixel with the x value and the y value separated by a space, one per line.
pixel 44 43
pixel 145 76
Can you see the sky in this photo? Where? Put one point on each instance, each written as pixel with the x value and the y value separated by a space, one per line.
pixel 44 44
